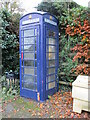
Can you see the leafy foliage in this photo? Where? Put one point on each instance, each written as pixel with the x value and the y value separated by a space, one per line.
pixel 9 38
pixel 10 13
pixel 58 9
pixel 10 41
pixel 80 28
pixel 64 13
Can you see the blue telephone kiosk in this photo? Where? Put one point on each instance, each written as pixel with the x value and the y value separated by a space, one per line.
pixel 39 55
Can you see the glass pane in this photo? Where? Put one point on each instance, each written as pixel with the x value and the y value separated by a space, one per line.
pixel 51 63
pixel 47 48
pixel 29 71
pixel 22 76
pixel 46 79
pixel 47 56
pixel 29 40
pixel 35 40
pixel 35 63
pixel 28 63
pixel 51 85
pixel 51 33
pixel 51 70
pixel 35 47
pixel 35 71
pixel 21 33
pixel 35 32
pixel 51 41
pixel 36 79
pixel 22 71
pixel 28 55
pixel 51 55
pixel 51 48
pixel 35 87
pixel 46 86
pixel 29 86
pixel 22 63
pixel 35 55
pixel 51 77
pixel 22 84
pixel 21 48
pixel 28 33
pixel 29 48
pixel 21 41
pixel 28 79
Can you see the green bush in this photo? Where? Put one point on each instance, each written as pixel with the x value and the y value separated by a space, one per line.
pixel 10 42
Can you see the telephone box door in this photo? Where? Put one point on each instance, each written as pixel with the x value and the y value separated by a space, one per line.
pixel 29 62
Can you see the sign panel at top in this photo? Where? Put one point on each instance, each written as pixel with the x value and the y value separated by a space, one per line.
pixel 50 21
pixel 30 21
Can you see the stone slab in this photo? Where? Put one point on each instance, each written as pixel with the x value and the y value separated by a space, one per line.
pixel 81 94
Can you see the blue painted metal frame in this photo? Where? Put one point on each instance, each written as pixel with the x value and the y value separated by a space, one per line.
pixel 41 55
pixel 23 91
pixel 53 90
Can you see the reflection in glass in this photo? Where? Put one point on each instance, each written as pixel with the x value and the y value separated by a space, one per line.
pixel 29 71
pixel 51 77
pixel 28 55
pixel 28 33
pixel 51 85
pixel 35 32
pixel 22 71
pixel 35 71
pixel 51 55
pixel 51 33
pixel 35 87
pixel 22 84
pixel 46 79
pixel 29 40
pixel 51 63
pixel 47 56
pixel 35 79
pixel 35 63
pixel 51 70
pixel 29 86
pixel 35 40
pixel 22 63
pixel 29 48
pixel 35 55
pixel 28 78
pixel 51 49
pixel 47 48
pixel 46 86
pixel 52 41
pixel 35 47
pixel 28 63
pixel 21 41
pixel 21 48
pixel 21 33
